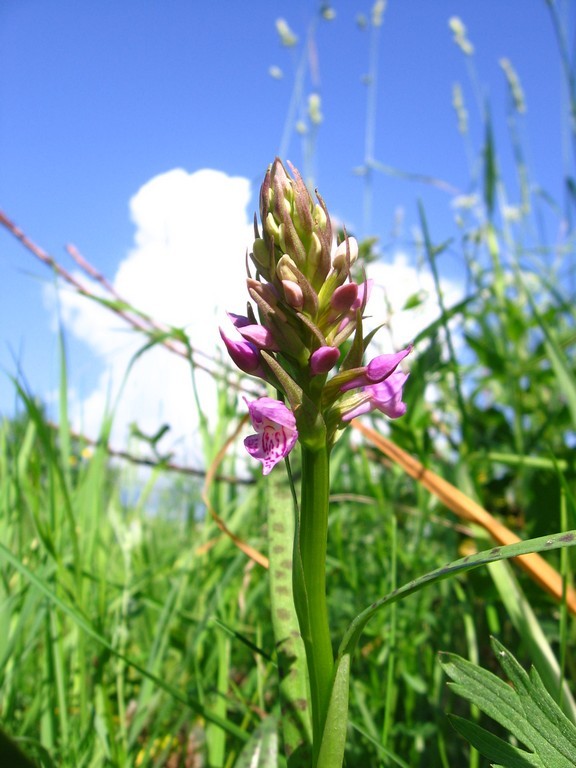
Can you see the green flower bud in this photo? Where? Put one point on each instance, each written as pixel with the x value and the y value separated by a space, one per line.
pixel 302 205
pixel 320 217
pixel 297 225
pixel 261 256
pixel 286 269
pixel 346 254
pixel 272 228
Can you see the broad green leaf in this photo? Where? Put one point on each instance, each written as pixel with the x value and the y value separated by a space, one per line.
pixel 524 707
pixel 528 627
pixel 490 693
pixel 493 747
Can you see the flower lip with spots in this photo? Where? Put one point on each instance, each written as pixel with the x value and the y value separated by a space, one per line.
pixel 276 432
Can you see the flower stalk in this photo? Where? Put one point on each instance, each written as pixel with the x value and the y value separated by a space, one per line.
pixel 312 543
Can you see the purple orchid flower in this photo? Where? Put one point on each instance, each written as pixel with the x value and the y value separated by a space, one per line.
pixel 364 291
pixel 276 432
pixel 377 370
pixel 386 397
pixel 252 332
pixel 244 354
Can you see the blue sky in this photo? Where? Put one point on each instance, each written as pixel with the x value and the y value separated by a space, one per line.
pixel 99 98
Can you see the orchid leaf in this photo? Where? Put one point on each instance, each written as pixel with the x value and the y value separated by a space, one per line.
pixel 294 689
pixel 334 736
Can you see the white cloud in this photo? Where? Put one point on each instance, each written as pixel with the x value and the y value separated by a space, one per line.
pixel 186 268
pixel 396 282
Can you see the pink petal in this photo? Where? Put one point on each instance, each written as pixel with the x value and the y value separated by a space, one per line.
pixel 382 366
pixel 293 294
pixel 364 289
pixel 387 395
pixel 244 354
pixel 358 411
pixel 268 408
pixel 258 335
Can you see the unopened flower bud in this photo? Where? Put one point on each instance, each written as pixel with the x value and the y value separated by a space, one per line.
pixel 253 332
pixel 364 291
pixel 344 297
pixel 259 336
pixel 275 230
pixel 261 255
pixel 348 248
pixel 319 215
pixel 293 294
pixel 286 269
pixel 323 359
pixel 244 354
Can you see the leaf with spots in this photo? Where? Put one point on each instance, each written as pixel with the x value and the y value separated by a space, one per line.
pixel 294 690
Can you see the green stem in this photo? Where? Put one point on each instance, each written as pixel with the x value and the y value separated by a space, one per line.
pixel 312 540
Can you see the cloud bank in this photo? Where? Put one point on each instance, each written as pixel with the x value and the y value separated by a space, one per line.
pixel 186 268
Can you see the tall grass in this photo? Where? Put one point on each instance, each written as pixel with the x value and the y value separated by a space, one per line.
pixel 137 633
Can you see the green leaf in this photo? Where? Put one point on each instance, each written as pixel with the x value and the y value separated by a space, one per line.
pixel 331 753
pixel 558 359
pixel 490 170
pixel 415 300
pixel 493 747
pixel 524 707
pixel 294 688
pixel 74 612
